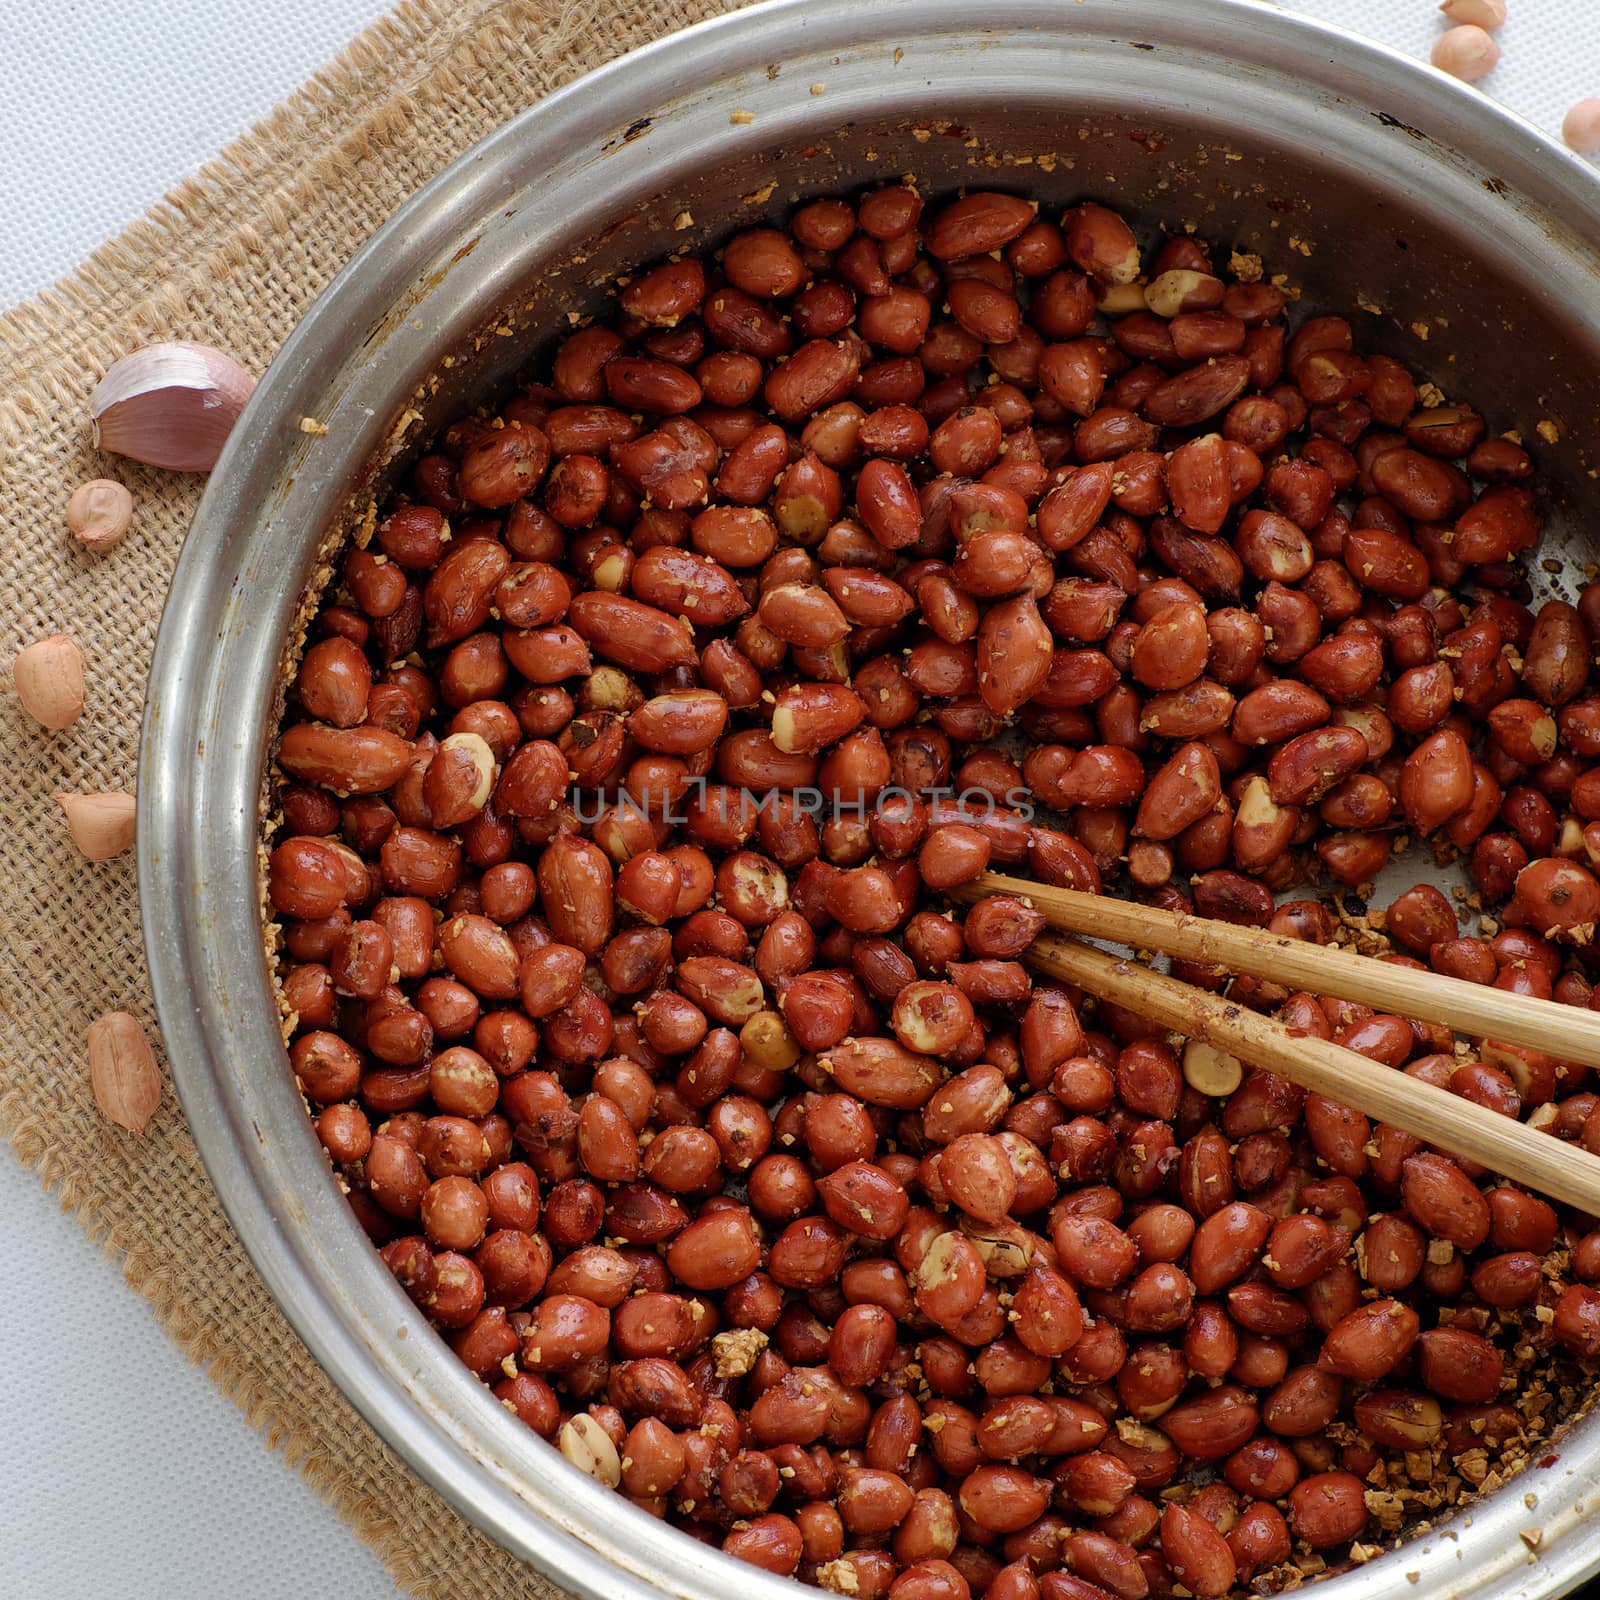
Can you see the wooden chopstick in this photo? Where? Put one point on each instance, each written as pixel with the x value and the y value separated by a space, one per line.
pixel 1547 1165
pixel 1570 1033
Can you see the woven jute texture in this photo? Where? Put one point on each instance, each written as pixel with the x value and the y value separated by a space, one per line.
pixel 232 258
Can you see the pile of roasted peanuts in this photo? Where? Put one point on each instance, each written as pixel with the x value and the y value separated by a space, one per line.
pixel 623 777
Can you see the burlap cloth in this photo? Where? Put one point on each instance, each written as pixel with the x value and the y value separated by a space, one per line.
pixel 231 258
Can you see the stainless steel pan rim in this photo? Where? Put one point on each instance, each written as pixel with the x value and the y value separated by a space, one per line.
pixel 624 136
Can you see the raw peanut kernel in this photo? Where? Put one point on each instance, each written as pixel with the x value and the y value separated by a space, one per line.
pixel 48 675
pixel 98 514
pixel 122 1071
pixel 102 825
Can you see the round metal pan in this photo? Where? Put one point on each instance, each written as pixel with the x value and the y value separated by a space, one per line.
pixel 1366 178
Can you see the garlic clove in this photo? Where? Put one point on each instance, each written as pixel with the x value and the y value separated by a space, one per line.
pixel 123 1072
pixel 170 405
pixel 101 824
pixel 49 678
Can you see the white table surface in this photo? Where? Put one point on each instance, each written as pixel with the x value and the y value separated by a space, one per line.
pixel 122 1470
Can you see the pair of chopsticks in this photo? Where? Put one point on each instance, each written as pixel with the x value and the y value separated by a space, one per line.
pixel 1551 1166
